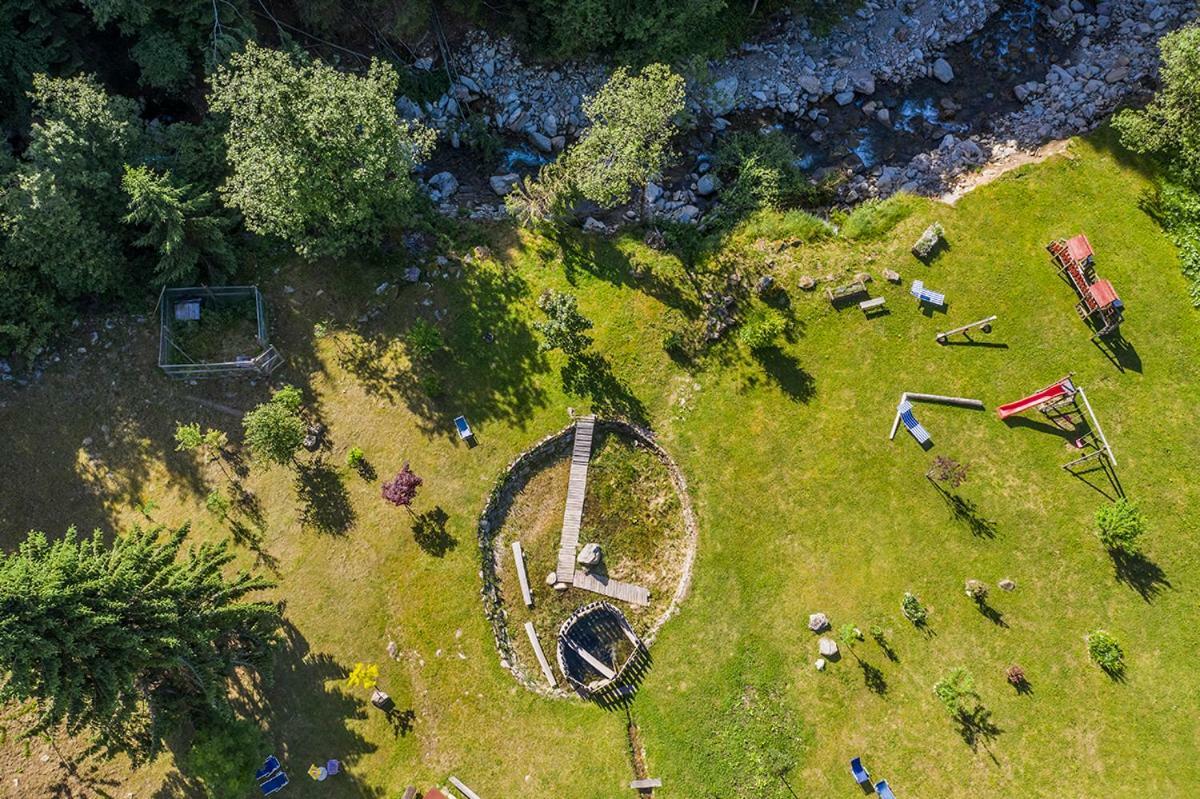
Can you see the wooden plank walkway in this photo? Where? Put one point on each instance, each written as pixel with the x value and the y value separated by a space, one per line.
pixel 581 456
pixel 626 592
pixel 457 783
pixel 643 785
pixel 519 557
pixel 541 656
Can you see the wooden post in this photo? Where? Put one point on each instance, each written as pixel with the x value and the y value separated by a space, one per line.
pixel 519 557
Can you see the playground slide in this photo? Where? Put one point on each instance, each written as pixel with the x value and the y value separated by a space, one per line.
pixel 1063 388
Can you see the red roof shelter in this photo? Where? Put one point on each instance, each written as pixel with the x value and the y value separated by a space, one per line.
pixel 1098 300
pixel 1080 248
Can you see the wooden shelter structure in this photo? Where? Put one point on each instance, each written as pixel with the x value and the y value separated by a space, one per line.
pixel 1098 303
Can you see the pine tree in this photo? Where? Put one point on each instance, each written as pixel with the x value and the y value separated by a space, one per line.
pixel 124 642
pixel 180 225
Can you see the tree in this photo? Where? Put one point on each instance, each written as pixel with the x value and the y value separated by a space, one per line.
pixel 762 329
pixel 180 225
pixel 955 689
pixel 947 470
pixel 125 642
pixel 912 609
pixel 318 157
pixel 1170 125
pixel 565 326
pixel 628 141
pixel 977 590
pixel 1119 527
pixel 274 430
pixel 188 437
pixel 401 490
pixel 224 756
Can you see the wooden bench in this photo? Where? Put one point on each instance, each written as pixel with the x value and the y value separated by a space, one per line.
pixel 836 294
pixel 866 306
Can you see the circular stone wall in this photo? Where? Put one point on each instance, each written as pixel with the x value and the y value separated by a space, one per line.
pixel 496 510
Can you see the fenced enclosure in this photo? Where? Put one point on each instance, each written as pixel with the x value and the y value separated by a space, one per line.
pixel 218 331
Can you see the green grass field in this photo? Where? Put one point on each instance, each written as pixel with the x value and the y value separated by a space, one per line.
pixel 804 505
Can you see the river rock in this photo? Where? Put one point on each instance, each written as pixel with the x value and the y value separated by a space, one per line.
pixel 943 71
pixel 593 225
pixel 688 214
pixel 503 184
pixel 445 183
pixel 707 184
pixel 723 96
pixel 541 141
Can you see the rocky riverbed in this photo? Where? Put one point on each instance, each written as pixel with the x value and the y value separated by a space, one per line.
pixel 904 95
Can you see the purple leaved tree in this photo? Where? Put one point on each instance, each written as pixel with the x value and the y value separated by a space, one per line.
pixel 402 489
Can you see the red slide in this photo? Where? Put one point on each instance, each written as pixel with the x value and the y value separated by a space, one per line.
pixel 1063 388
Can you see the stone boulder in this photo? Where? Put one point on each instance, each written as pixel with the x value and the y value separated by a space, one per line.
pixel 503 184
pixel 943 71
pixel 590 556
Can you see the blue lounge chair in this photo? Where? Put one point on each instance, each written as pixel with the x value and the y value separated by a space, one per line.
pixel 884 790
pixel 911 424
pixel 923 294
pixel 269 768
pixel 464 429
pixel 860 773
pixel 274 784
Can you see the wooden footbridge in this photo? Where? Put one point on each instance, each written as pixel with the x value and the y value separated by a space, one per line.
pixel 581 456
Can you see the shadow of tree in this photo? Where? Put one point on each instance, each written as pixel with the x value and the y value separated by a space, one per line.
pixel 873 678
pixel 965 512
pixel 976 727
pixel 325 502
pixel 787 373
pixel 1141 574
pixel 590 375
pixel 429 531
pixel 990 613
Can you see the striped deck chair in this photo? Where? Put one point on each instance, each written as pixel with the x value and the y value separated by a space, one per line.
pixel 905 409
pixel 923 294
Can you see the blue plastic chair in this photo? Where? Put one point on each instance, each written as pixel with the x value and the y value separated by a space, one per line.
pixel 269 768
pixel 274 784
pixel 911 424
pixel 860 773
pixel 884 790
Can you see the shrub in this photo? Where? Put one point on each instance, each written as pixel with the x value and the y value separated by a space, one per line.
pixel 565 327
pixel 948 471
pixel 977 591
pixel 401 490
pixel 1119 526
pixel 423 339
pixel 355 457
pixel 913 610
pixel 958 685
pixel 1105 651
pixel 930 238
pixel 1015 676
pixel 762 328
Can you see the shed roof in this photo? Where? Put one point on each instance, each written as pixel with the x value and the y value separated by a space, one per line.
pixel 1103 293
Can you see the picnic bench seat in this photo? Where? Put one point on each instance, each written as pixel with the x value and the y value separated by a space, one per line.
pixel 866 306
pixel 836 294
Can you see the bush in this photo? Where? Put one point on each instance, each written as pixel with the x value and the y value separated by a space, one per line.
pixel 762 328
pixel 977 591
pixel 913 610
pixel 958 685
pixel 1119 526
pixel 1015 676
pixel 355 457
pixel 930 238
pixel 423 339
pixel 1105 651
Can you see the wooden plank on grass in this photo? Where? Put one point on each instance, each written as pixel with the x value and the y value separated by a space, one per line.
pixel 541 656
pixel 519 557
pixel 457 783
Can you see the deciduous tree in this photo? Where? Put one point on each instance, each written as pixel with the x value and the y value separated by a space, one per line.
pixel 274 430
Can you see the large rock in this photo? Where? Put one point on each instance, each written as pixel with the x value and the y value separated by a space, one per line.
pixel 445 183
pixel 863 82
pixel 590 555
pixel 688 213
pixel 723 96
pixel 503 184
pixel 943 71
pixel 541 141
pixel 707 184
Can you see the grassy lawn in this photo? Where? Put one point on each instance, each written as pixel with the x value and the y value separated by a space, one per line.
pixel 804 505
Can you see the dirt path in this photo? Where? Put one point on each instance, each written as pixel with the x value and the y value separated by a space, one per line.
pixel 1008 163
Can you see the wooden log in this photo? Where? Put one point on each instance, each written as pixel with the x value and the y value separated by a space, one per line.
pixel 541 655
pixel 642 785
pixel 467 792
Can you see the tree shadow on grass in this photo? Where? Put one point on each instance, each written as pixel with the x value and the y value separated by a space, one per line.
pixel 976 728
pixel 966 512
pixel 307 713
pixel 429 531
pixel 325 502
pixel 787 373
pixel 590 375
pixel 990 613
pixel 1141 574
pixel 873 678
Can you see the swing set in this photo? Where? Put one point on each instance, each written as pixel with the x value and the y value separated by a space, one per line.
pixel 1056 401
